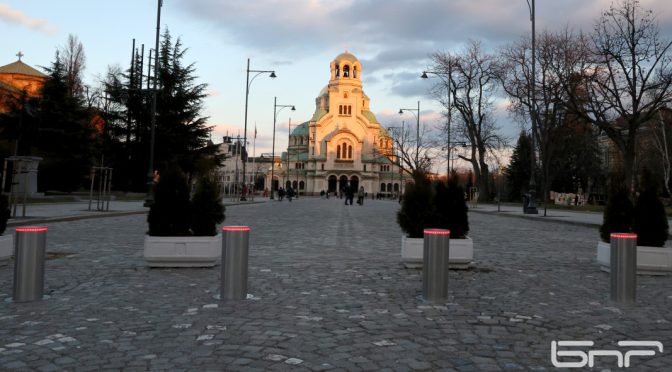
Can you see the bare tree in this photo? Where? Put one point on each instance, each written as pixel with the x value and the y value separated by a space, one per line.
pixel 414 154
pixel 74 61
pixel 626 79
pixel 473 80
pixel 554 61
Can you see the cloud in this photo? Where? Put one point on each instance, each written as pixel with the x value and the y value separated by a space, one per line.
pixel 370 27
pixel 10 15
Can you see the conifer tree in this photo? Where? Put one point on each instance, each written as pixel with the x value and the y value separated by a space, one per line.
pixel 66 140
pixel 518 171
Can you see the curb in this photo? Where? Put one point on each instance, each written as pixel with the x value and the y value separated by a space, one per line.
pixel 39 220
pixel 538 218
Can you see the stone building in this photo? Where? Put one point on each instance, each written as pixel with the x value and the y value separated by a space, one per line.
pixel 17 78
pixel 343 143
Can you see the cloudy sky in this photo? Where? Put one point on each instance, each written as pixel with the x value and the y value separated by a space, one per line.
pixel 298 39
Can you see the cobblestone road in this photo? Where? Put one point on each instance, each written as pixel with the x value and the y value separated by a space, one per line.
pixel 329 294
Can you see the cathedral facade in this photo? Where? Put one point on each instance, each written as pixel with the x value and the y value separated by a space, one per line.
pixel 343 143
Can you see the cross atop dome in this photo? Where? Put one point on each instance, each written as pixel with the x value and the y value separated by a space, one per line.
pixel 19 54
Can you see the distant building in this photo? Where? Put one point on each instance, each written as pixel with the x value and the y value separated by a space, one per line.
pixel 342 144
pixel 17 78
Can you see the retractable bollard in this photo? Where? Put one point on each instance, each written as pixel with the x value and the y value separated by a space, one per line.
pixel 623 268
pixel 235 247
pixel 30 250
pixel 435 264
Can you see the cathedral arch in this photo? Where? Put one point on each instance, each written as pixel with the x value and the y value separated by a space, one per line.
pixel 346 71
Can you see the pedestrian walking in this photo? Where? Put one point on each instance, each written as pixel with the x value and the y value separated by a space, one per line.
pixel 290 193
pixel 281 193
pixel 360 195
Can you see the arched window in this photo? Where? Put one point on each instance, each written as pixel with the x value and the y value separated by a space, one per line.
pixel 346 71
pixel 354 72
pixel 349 110
pixel 302 185
pixel 389 187
pixel 338 152
pixel 382 187
pixel 340 109
pixel 349 152
pixel 338 71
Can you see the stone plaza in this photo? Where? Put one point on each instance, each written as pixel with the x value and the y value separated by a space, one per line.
pixel 327 292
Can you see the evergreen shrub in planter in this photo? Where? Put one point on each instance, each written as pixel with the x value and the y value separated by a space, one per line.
pixel 207 209
pixel 650 222
pixel 169 214
pixel 647 219
pixel 427 205
pixel 416 207
pixel 183 232
pixel 6 241
pixel 617 217
pixel 4 213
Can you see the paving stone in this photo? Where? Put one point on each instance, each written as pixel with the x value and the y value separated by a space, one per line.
pixel 330 292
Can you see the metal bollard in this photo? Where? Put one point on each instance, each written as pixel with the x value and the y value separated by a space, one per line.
pixel 623 258
pixel 30 251
pixel 435 264
pixel 235 247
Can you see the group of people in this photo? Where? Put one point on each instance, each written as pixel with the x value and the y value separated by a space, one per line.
pixel 349 193
pixel 289 193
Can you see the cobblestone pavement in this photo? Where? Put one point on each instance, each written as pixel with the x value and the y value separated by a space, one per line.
pixel 329 294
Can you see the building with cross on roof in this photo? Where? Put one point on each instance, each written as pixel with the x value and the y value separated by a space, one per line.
pixel 17 79
pixel 343 144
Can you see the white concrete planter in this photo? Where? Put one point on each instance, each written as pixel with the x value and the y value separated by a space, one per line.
pixel 460 254
pixel 6 247
pixel 650 260
pixel 183 251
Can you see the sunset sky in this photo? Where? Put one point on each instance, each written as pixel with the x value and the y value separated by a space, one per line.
pixel 298 39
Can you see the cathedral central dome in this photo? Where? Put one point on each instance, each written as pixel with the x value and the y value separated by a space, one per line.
pixel 345 56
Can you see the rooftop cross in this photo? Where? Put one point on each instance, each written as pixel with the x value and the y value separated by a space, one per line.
pixel 19 54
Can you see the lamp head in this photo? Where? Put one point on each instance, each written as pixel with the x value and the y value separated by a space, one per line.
pixel 424 75
pixel 293 108
pixel 401 111
pixel 272 75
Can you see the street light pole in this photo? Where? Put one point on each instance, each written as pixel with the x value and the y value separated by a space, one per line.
pixel 449 86
pixel 247 95
pixel 531 204
pixel 150 171
pixel 275 117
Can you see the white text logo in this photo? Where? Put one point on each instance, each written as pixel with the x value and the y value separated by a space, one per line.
pixel 588 357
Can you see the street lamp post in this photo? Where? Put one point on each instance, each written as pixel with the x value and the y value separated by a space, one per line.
pixel 531 207
pixel 450 114
pixel 399 151
pixel 150 171
pixel 275 117
pixel 417 130
pixel 247 95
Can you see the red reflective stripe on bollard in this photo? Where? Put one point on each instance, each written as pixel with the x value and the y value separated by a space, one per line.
pixel 624 236
pixel 236 228
pixel 31 229
pixel 437 232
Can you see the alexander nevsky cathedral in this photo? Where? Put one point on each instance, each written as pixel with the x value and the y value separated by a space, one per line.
pixel 343 143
